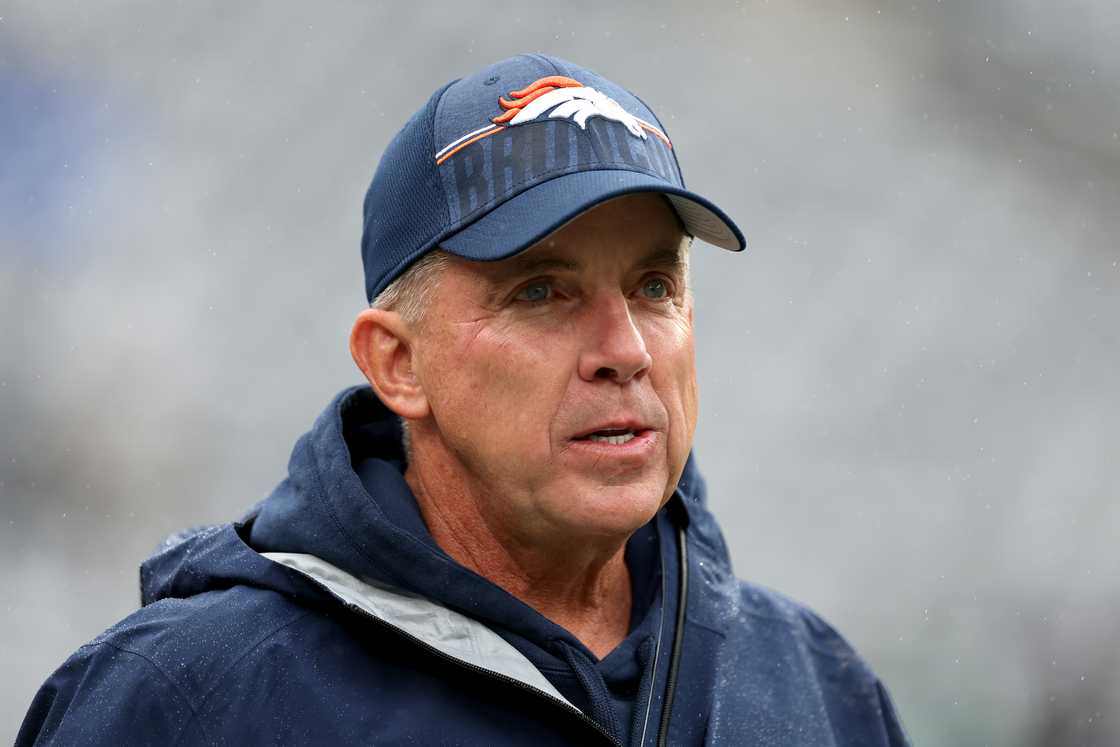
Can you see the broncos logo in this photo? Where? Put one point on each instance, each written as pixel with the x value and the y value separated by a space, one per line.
pixel 566 98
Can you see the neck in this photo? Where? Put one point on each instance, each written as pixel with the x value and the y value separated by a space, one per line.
pixel 581 584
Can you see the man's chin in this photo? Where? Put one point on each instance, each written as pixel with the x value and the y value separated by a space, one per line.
pixel 612 510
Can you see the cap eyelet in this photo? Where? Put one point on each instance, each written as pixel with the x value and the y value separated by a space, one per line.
pixel 491 80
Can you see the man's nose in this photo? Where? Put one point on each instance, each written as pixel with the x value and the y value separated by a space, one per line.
pixel 614 348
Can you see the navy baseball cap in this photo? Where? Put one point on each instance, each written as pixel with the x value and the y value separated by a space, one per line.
pixel 497 161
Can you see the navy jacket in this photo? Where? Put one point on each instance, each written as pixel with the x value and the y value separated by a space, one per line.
pixel 329 616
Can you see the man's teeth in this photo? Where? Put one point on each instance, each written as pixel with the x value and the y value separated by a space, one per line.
pixel 619 439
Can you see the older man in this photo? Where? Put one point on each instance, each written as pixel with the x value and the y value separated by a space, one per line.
pixel 503 539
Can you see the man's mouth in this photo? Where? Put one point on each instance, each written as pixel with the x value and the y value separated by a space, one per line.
pixel 621 443
pixel 615 436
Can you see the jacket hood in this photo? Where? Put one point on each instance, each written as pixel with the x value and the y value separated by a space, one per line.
pixel 322 508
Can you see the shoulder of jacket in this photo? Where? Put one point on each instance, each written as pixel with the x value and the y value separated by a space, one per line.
pixel 195 642
pixel 105 693
pixel 779 611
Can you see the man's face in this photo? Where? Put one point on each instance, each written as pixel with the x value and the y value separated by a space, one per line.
pixel 562 381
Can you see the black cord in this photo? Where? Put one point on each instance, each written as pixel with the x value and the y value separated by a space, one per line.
pixel 678 638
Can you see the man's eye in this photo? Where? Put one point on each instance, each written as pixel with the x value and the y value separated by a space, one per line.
pixel 535 292
pixel 655 288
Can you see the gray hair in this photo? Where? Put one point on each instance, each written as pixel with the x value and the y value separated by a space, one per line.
pixel 410 293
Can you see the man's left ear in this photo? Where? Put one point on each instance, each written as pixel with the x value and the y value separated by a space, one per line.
pixel 381 345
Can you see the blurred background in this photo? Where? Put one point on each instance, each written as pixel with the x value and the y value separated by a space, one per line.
pixel 910 408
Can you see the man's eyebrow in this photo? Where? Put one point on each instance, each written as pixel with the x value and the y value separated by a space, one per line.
pixel 500 273
pixel 664 258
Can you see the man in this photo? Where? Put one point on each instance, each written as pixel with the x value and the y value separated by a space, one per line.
pixel 502 539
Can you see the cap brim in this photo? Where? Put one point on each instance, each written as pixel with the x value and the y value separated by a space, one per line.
pixel 525 219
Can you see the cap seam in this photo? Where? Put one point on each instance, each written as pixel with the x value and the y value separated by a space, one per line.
pixel 432 140
pixel 665 132
pixel 547 61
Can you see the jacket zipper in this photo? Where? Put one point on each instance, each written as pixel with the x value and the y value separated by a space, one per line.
pixel 678 639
